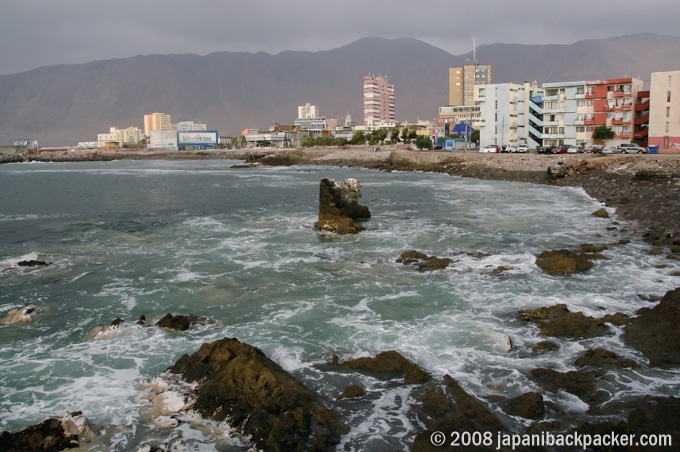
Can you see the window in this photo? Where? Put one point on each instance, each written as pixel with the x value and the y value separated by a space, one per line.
pixel 668 127
pixel 668 112
pixel 670 80
pixel 666 142
pixel 668 96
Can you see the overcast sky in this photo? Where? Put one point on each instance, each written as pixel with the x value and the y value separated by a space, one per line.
pixel 35 33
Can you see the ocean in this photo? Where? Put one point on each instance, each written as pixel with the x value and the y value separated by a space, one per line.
pixel 132 238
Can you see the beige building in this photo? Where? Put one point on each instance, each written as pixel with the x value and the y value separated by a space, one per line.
pixel 664 111
pixel 156 121
pixel 117 138
pixel 462 82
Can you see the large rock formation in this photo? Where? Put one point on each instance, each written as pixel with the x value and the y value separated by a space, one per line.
pixel 51 435
pixel 339 207
pixel 236 381
pixel 655 331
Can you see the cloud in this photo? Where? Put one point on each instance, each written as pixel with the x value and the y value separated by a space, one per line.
pixel 36 33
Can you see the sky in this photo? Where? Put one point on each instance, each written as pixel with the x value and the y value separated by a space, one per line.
pixel 36 33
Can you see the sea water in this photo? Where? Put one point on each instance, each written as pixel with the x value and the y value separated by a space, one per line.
pixel 132 238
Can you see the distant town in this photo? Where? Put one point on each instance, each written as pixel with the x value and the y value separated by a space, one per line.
pixel 480 113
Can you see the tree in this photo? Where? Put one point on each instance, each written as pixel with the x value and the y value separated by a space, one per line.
pixel 474 136
pixel 358 137
pixel 603 133
pixel 423 142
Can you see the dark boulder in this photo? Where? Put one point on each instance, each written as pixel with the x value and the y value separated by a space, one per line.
pixel 528 406
pixel 601 213
pixel 339 207
pixel 51 435
pixel 580 383
pixel 352 392
pixel 655 331
pixel 563 262
pixel 558 321
pixel 389 364
pixel 599 357
pixel 32 263
pixel 423 262
pixel 236 381
pixel 451 409
pixel 574 325
pixel 182 322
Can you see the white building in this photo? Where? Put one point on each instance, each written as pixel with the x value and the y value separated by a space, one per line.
pixel 308 111
pixel 118 138
pixel 188 126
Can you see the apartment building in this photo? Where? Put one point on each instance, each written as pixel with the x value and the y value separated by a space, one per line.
pixel 664 111
pixel 157 121
pixel 117 138
pixel 307 111
pixel 562 113
pixel 187 126
pixel 379 104
pixel 462 82
pixel 504 112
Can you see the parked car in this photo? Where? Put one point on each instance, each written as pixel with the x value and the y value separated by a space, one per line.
pixel 592 150
pixel 490 148
pixel 523 148
pixel 510 148
pixel 631 148
pixel 559 150
pixel 545 150
pixel 609 150
pixel 573 150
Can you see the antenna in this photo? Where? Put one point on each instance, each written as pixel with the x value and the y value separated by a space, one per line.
pixel 474 49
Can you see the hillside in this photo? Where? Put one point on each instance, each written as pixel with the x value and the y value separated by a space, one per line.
pixel 231 91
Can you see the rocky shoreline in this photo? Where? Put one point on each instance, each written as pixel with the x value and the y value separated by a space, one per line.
pixel 227 379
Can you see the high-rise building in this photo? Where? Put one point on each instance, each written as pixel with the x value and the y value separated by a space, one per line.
pixel 664 111
pixel 156 121
pixel 462 82
pixel 378 101
pixel 307 111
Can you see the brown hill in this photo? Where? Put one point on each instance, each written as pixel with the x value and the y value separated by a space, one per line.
pixel 231 91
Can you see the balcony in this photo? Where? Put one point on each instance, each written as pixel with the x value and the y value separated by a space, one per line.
pixel 640 134
pixel 643 106
pixel 641 120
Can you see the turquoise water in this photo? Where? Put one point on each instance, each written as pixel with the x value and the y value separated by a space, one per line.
pixel 126 239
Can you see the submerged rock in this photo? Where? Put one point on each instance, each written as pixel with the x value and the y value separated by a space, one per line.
pixel 339 206
pixel 528 406
pixel 558 321
pixel 32 263
pixel 423 262
pixel 21 315
pixel 563 262
pixel 655 331
pixel 52 435
pixel 237 382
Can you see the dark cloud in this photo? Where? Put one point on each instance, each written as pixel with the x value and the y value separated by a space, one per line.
pixel 37 33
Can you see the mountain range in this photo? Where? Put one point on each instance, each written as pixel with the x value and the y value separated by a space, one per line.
pixel 231 91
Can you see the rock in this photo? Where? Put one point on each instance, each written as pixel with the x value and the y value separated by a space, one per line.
pixel 528 406
pixel 451 409
pixel 389 364
pixel 600 357
pixel 500 269
pixel 655 331
pixel 558 321
pixel 590 248
pixel 579 383
pixel 574 325
pixel 422 261
pixel 52 435
pixel 562 262
pixel 21 315
pixel 182 322
pixel 543 313
pixel 339 207
pixel 656 416
pixel 351 392
pixel 544 347
pixel 236 381
pixel 601 213
pixel 411 257
pixel 32 263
